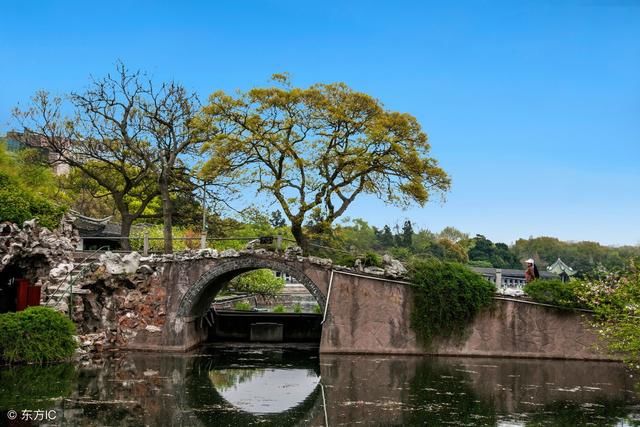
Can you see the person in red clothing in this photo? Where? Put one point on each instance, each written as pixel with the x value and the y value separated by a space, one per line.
pixel 531 273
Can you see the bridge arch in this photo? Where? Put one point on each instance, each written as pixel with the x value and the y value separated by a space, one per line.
pixel 198 298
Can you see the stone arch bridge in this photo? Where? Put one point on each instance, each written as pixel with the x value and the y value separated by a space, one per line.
pixel 364 312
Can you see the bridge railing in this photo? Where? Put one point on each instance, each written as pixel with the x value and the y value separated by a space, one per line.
pixel 154 245
pixel 148 245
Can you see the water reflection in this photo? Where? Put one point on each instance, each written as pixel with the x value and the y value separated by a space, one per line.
pixel 217 387
pixel 264 391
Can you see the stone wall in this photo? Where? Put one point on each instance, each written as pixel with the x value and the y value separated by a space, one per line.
pixel 373 317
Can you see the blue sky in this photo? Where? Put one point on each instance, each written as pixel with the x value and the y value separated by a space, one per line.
pixel 532 107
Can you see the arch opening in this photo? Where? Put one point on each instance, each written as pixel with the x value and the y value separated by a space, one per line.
pixel 204 323
pixel 198 299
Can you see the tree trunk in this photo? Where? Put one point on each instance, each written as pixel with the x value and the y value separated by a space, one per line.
pixel 167 215
pixel 298 234
pixel 125 231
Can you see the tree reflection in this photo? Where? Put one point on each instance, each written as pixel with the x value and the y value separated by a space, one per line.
pixel 442 394
pixel 33 387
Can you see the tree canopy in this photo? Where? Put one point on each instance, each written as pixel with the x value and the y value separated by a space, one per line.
pixel 316 149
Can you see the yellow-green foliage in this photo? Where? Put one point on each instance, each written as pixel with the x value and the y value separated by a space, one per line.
pixel 37 334
pixel 261 281
pixel 27 189
pixel 316 149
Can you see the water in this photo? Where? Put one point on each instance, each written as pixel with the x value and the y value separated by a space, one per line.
pixel 289 387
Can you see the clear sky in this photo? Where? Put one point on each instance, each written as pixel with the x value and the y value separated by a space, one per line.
pixel 532 107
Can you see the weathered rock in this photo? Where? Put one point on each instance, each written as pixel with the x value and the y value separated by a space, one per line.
pixel 374 270
pixel 45 257
pixel 393 267
pixel 112 263
pixel 325 262
pixel 229 253
pixel 145 269
pixel 61 271
pixel 116 264
pixel 293 252
pixel 208 253
pixel 130 262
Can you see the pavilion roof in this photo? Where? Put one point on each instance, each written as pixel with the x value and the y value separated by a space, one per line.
pixel 560 267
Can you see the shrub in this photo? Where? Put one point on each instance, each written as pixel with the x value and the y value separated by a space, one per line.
pixel 447 296
pixel 278 308
pixel 16 205
pixel 242 306
pixel 297 308
pixel 37 334
pixel 371 259
pixel 317 309
pixel 262 281
pixel 615 299
pixel 554 292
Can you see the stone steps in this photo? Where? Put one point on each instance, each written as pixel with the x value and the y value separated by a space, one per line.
pixel 58 298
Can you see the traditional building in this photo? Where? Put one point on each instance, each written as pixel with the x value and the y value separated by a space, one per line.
pixel 561 269
pixel 97 233
pixel 509 281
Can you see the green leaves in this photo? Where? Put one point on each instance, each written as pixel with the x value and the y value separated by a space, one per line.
pixel 447 296
pixel 261 281
pixel 554 292
pixel 37 334
pixel 319 148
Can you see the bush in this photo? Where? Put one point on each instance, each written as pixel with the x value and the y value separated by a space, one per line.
pixel 554 292
pixel 297 308
pixel 17 206
pixel 447 296
pixel 262 281
pixel 317 309
pixel 37 334
pixel 242 306
pixel 278 308
pixel 371 259
pixel 615 299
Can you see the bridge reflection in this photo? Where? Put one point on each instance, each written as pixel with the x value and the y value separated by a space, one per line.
pixel 282 387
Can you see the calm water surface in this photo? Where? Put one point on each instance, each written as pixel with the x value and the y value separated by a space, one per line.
pixel 287 387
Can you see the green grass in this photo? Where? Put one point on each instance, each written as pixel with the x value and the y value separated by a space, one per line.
pixel 242 305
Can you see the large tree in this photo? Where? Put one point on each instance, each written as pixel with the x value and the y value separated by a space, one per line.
pixel 316 149
pixel 128 137
pixel 103 137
